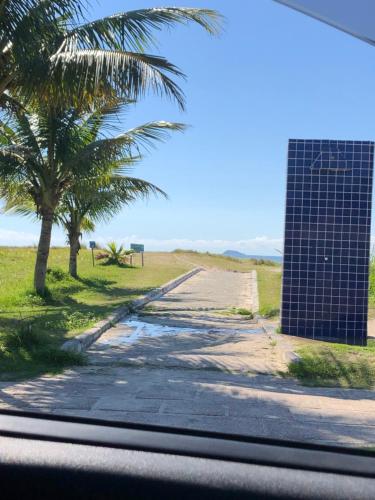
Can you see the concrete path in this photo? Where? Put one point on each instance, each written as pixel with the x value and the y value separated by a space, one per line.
pixel 183 363
pixel 212 290
pixel 190 328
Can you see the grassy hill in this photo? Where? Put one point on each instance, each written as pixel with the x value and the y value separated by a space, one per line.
pixel 31 329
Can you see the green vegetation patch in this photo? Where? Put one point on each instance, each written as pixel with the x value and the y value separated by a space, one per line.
pixel 335 365
pixel 269 312
pixel 32 328
pixel 372 283
pixel 71 306
pixel 269 290
pixel 25 351
pixel 241 311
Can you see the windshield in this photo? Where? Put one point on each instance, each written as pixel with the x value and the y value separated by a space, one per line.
pixel 186 217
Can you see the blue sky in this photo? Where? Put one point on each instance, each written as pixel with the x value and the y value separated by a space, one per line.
pixel 273 74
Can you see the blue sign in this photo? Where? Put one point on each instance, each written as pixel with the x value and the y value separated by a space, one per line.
pixel 92 244
pixel 138 248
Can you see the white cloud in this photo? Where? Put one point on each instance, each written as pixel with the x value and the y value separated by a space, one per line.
pixel 9 237
pixel 260 245
pixel 17 238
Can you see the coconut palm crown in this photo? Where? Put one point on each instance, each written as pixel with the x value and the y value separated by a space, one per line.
pixel 89 203
pixel 50 51
pixel 44 154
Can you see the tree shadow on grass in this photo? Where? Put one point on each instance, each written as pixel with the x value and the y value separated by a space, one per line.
pixel 120 265
pixel 103 286
pixel 100 284
pixel 61 318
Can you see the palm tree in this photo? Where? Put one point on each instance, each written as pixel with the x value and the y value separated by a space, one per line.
pixel 48 50
pixel 44 153
pixel 115 254
pixel 60 65
pixel 97 201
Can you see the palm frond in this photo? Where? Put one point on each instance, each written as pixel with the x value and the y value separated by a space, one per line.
pixel 146 135
pixel 29 32
pixel 15 12
pixel 101 200
pixel 16 152
pixel 87 225
pixel 130 74
pixel 105 117
pixel 17 200
pixel 27 133
pixel 10 104
pixel 133 30
pixel 12 13
pixel 98 154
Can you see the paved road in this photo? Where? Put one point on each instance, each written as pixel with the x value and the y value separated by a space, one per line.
pixel 187 329
pixel 184 364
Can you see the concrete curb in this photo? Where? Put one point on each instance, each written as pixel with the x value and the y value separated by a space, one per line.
pixel 83 341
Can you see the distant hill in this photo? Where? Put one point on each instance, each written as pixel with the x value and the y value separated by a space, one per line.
pixel 240 255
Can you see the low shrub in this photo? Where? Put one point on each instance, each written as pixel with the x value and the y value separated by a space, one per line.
pixel 55 275
pixel 264 262
pixel 242 311
pixel 23 336
pixel 115 254
pixel 31 298
pixel 77 320
pixel 25 351
pixel 269 312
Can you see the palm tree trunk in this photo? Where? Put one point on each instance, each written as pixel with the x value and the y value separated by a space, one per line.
pixel 43 252
pixel 74 249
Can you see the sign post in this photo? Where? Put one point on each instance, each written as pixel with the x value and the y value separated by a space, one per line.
pixel 138 248
pixel 92 246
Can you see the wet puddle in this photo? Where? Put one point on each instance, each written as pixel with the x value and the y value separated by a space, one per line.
pixel 135 330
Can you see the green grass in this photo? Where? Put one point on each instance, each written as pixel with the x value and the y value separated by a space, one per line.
pixel 71 305
pixel 372 282
pixel 241 311
pixel 269 289
pixel 335 365
pixel 25 351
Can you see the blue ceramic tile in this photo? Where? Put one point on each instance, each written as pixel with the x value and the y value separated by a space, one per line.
pixel 327 240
